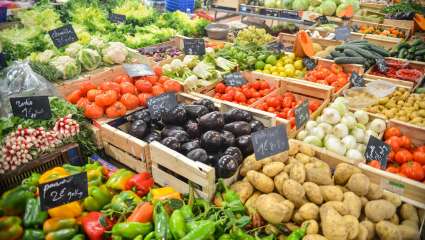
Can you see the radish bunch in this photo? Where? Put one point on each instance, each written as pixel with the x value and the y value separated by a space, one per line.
pixel 24 144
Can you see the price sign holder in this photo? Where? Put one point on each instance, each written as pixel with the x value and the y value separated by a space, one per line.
pixel 342 33
pixel 194 46
pixel 161 103
pixel 276 47
pixel 3 14
pixel 138 70
pixel 116 18
pixel 309 63
pixel 381 65
pixel 63 36
pixel 302 115
pixel 323 20
pixel 234 79
pixel 63 191
pixel 356 80
pixel 377 150
pixel 270 141
pixel 35 107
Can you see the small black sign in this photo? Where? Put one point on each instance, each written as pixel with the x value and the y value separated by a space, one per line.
pixel 2 60
pixel 63 36
pixel 116 18
pixel 63 191
pixel 74 157
pixel 234 79
pixel 377 150
pixel 276 47
pixel 342 33
pixel 309 63
pixel 35 107
pixel 3 14
pixel 161 103
pixel 302 115
pixel 381 65
pixel 323 20
pixel 270 141
pixel 138 70
pixel 289 14
pixel 194 46
pixel 356 80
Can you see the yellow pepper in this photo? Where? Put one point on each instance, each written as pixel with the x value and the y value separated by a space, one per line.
pixel 165 193
pixel 53 174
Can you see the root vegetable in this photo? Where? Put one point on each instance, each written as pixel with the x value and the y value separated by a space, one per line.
pixel 393 198
pixel 294 192
pixel 313 192
pixel 352 226
pixel 407 232
pixel 370 226
pixel 353 203
pixel 312 226
pixel 395 219
pixel 375 192
pixel 303 158
pixel 409 212
pixel 274 168
pixel 387 231
pixel 250 163
pixel 359 184
pixel 243 189
pixel 378 210
pixel 362 233
pixel 338 206
pixel 260 181
pixel 309 211
pixel 293 149
pixel 331 193
pixel 307 150
pixel 274 208
pixel 333 226
pixel 297 173
pixel 364 201
pixel 280 157
pixel 319 173
pixel 343 172
pixel 279 180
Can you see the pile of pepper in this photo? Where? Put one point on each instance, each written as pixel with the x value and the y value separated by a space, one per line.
pixel 399 70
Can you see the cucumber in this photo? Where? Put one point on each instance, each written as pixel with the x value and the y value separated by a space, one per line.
pixel 404 45
pixel 337 54
pixel 363 52
pixel 420 47
pixel 416 42
pixel 412 49
pixel 351 53
pixel 402 53
pixel 356 41
pixel 350 60
pixel 420 52
pixel 379 50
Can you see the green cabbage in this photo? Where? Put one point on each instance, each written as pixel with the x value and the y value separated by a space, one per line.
pixel 345 4
pixel 287 4
pixel 67 66
pixel 328 8
pixel 89 59
pixel 300 5
pixel 315 3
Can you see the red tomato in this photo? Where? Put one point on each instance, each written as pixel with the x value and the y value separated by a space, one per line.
pixel 157 90
pixel 85 87
pixel 413 170
pixel 107 98
pixel 163 79
pixel 110 86
pixel 292 121
pixel 391 156
pixel 83 102
pixel 256 85
pixel 271 109
pixel 247 92
pixel 172 86
pixel 127 87
pixel 419 157
pixel 220 88
pixel 240 97
pixel 393 169
pixel 157 70
pixel 227 97
pixel 394 142
pixel 392 131
pixel 287 102
pixel 143 98
pixel 403 156
pixel 375 164
pixel 92 93
pixel 272 102
pixel 313 105
pixel 123 78
pixel 130 101
pixel 264 85
pixel 74 96
pixel 405 142
pixel 421 148
pixel 144 86
pixel 251 101
pixel 153 79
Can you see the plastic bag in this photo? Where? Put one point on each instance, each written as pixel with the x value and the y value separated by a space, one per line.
pixel 19 80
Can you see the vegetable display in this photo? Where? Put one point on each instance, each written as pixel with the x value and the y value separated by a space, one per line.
pixel 332 76
pixel 247 94
pixel 286 66
pixel 400 70
pixel 390 32
pixel 413 50
pixel 248 57
pixel 253 35
pixel 161 53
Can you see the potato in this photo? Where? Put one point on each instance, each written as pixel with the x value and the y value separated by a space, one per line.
pixel 312 226
pixel 280 157
pixel 411 224
pixel 313 192
pixel 274 168
pixel 393 198
pixel 307 150
pixel 352 226
pixel 359 184
pixel 343 172
pixel 343 189
pixel 250 163
pixel 394 219
pixel 260 181
pixel 274 208
pixel 331 193
pixel 297 173
pixel 243 189
pixel 319 173
pixel 278 181
pixel 294 192
pixel 387 231
pixel 370 226
pixel 250 203
pixel 364 201
pixel 302 158
pixel 378 210
pixel 288 166
pixel 297 219
pixel 407 232
pixel 314 237
pixel 338 206
pixel 353 203
pixel 291 226
pixel 265 161
pixel 333 226
pixel 309 211
pixel 362 233
pixel 408 211
pixel 375 192
pixel 293 149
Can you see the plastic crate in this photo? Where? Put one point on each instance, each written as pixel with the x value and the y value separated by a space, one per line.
pixel 182 5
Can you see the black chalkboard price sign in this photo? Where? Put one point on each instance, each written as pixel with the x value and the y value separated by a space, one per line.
pixel 161 103
pixel 276 47
pixel 356 80
pixel 381 65
pixel 35 107
pixel 138 70
pixel 194 46
pixel 3 14
pixel 234 79
pixel 342 33
pixel 2 60
pixel 63 36
pixel 302 115
pixel 63 191
pixel 116 18
pixel 270 141
pixel 309 63
pixel 323 20
pixel 377 150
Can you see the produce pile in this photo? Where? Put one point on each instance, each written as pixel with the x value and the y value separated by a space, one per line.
pixel 246 94
pixel 253 35
pixel 414 50
pixel 400 70
pixel 332 76
pixel 390 32
pixel 286 66
pixel 160 53
pixel 248 57
pixel 342 131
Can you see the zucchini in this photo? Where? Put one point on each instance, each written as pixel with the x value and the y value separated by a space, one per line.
pixel 363 52
pixel 404 45
pixel 412 49
pixel 351 53
pixel 337 54
pixel 416 42
pixel 350 60
pixel 420 52
pixel 420 47
pixel 356 41
pixel 379 50
pixel 410 56
pixel 402 53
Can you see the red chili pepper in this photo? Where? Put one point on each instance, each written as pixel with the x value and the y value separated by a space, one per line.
pixel 141 183
pixel 95 224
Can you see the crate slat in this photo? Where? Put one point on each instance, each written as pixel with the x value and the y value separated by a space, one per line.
pixel 130 161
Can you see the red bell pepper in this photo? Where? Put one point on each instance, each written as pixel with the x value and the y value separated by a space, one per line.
pixel 95 224
pixel 140 183
pixel 142 213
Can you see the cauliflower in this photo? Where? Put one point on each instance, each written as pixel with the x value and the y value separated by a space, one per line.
pixel 89 59
pixel 97 43
pixel 67 66
pixel 190 61
pixel 115 53
pixel 73 49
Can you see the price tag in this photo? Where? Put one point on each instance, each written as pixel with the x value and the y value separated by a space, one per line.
pixel 356 80
pixel 323 20
pixel 194 46
pixel 63 191
pixel 381 65
pixel 63 36
pixel 289 14
pixel 342 33
pixel 270 141
pixel 35 107
pixel 138 70
pixel 2 60
pixel 234 79
pixel 276 47
pixel 161 103
pixel 309 63
pixel 3 14
pixel 392 186
pixel 377 150
pixel 116 18
pixel 302 115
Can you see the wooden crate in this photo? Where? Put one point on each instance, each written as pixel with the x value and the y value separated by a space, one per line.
pixel 229 5
pixel 176 42
pixel 289 39
pixel 405 83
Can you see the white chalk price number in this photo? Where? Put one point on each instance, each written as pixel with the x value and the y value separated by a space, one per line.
pixel 356 80
pixel 270 141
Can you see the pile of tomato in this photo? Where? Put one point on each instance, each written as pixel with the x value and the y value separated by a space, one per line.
pixel 114 98
pixel 245 94
pixel 404 159
pixel 332 76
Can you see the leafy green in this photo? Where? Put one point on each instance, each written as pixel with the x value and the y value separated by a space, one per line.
pixel 44 18
pixel 183 24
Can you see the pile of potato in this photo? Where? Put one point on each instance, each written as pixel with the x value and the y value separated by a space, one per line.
pixel 296 188
pixel 403 106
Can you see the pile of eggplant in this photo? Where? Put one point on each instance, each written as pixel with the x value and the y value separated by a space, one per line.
pixel 201 132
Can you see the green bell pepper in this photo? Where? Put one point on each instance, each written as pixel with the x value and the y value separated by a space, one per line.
pixel 94 173
pixel 177 224
pixel 13 201
pixel 131 229
pixel 62 234
pixel 71 169
pixel 125 201
pixel 119 179
pixel 10 228
pixel 31 181
pixel 33 215
pixel 98 197
pixel 33 234
pixel 226 237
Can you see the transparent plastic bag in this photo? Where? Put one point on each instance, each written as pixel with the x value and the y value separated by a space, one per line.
pixel 19 80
